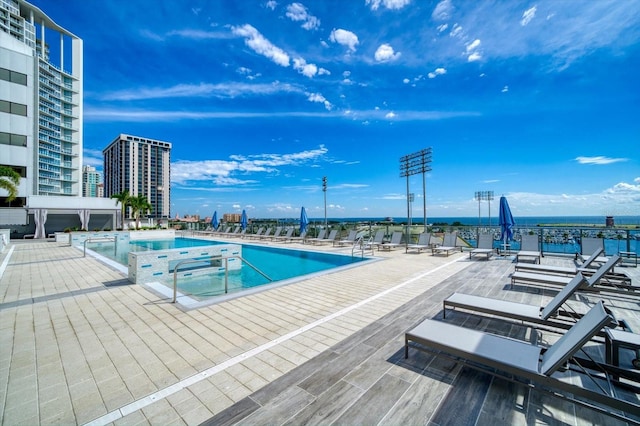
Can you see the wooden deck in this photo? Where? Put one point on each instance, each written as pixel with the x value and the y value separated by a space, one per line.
pixel 366 380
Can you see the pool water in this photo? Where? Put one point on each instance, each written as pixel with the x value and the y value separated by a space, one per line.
pixel 277 263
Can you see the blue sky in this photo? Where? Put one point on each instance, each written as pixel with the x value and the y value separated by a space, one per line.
pixel 538 101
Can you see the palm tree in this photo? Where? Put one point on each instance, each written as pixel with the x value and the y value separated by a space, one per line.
pixel 124 198
pixel 139 204
pixel 9 181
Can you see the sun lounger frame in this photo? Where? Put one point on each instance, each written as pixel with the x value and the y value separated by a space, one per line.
pixel 485 246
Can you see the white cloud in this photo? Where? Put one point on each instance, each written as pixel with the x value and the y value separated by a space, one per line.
pixel 456 31
pixel 322 71
pixel 303 68
pixel 599 160
pixel 345 38
pixel 92 157
pixel 389 4
pixel 437 72
pixel 317 97
pixel 298 12
pixel 258 43
pixel 221 172
pixel 406 80
pixel 505 89
pixel 443 10
pixel 473 45
pixel 271 4
pixel 443 27
pixel 385 53
pixel 474 57
pixel 390 115
pixel 528 15
pixel 223 91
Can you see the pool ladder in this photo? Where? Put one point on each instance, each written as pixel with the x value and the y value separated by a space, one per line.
pixel 361 244
pixel 114 239
pixel 210 258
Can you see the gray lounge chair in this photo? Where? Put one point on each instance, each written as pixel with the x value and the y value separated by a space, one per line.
pixel 537 367
pixel 485 246
pixel 599 281
pixel 320 236
pixel 330 238
pixel 256 235
pixel 396 238
pixel 612 276
pixel 300 239
pixel 550 315
pixel 351 239
pixel 588 245
pixel 424 243
pixel 285 237
pixel 266 235
pixel 373 243
pixel 449 244
pixel 529 248
pixel 276 234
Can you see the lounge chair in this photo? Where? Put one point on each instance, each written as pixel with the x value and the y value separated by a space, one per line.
pixel 320 236
pixel 351 239
pixel 599 281
pixel 449 244
pixel 396 238
pixel 256 235
pixel 550 315
pixel 424 243
pixel 284 237
pixel 330 238
pixel 301 238
pixel 485 246
pixel 276 234
pixel 529 248
pixel 534 366
pixel 572 271
pixel 589 245
pixel 372 243
pixel 266 235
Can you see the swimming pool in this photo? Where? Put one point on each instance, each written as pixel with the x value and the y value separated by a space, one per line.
pixel 279 264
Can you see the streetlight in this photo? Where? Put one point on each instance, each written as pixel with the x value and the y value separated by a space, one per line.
pixel 324 189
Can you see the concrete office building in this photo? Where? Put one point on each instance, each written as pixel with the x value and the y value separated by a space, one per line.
pixel 41 75
pixel 142 167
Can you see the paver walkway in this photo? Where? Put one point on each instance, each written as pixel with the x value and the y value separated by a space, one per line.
pixel 79 344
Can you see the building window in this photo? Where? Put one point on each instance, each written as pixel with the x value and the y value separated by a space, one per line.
pixel 11 139
pixel 13 108
pixel 13 76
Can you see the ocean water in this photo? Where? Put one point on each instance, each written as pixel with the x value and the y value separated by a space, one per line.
pixel 484 221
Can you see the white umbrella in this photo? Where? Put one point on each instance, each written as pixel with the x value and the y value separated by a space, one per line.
pixel 40 218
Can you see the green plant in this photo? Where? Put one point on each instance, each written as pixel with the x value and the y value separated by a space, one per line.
pixel 9 181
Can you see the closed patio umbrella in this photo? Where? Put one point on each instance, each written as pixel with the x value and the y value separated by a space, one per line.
pixel 505 221
pixel 214 221
pixel 243 220
pixel 304 220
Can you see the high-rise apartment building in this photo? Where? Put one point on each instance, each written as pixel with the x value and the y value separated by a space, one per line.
pixel 40 102
pixel 91 182
pixel 41 74
pixel 142 167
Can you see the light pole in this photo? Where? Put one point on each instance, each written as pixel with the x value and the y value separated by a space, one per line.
pixel 412 164
pixel 482 196
pixel 324 189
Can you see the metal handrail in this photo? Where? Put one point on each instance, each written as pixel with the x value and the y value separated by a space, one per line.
pixel 103 239
pixel 359 243
pixel 209 258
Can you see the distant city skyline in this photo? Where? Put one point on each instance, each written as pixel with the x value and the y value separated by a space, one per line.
pixel 534 101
